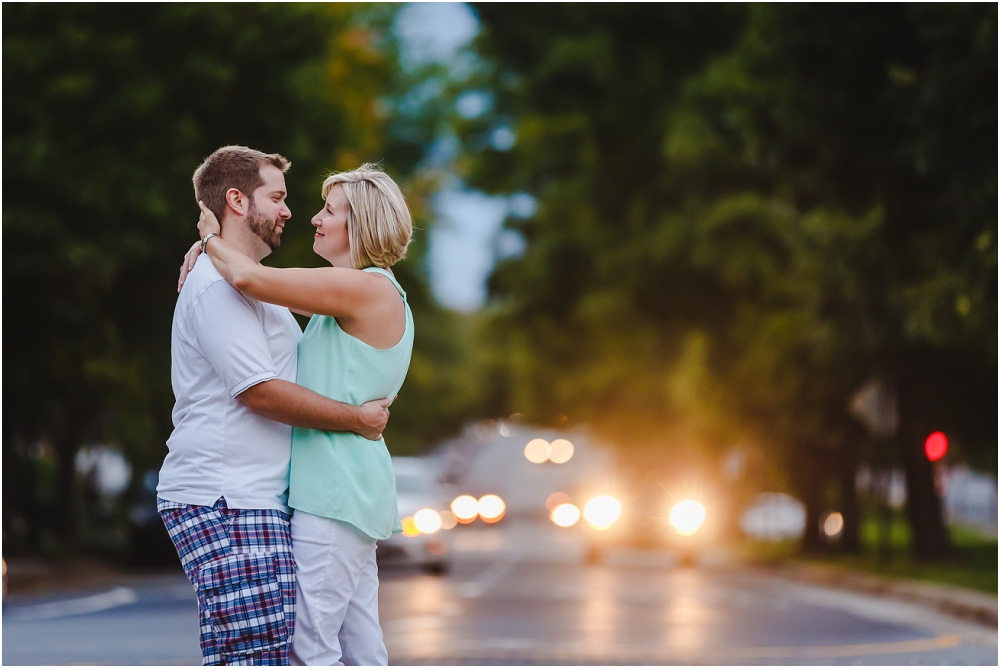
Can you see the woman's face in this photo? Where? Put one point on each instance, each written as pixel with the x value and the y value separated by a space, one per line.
pixel 332 242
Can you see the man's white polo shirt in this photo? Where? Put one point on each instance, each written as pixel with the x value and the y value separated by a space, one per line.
pixel 223 342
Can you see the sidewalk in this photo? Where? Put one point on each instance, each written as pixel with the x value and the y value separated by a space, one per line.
pixel 951 600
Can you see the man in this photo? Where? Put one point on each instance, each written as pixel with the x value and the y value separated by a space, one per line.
pixel 223 485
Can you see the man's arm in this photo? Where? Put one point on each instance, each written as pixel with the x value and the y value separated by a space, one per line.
pixel 293 404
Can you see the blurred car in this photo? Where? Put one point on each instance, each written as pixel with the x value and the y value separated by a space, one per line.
pixel 422 508
pixel 671 514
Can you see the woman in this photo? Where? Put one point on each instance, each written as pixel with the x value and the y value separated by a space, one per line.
pixel 356 348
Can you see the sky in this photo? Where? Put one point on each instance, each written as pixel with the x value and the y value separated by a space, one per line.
pixel 467 237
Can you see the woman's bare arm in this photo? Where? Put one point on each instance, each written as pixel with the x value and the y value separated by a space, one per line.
pixel 327 290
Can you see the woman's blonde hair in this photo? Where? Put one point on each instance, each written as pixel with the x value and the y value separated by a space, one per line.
pixel 378 223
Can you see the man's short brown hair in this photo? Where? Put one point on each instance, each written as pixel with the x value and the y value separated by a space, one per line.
pixel 232 167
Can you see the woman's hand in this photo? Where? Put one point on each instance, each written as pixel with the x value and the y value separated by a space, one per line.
pixel 188 264
pixel 207 222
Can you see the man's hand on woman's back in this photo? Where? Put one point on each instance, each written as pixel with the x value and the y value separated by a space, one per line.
pixel 374 416
pixel 293 404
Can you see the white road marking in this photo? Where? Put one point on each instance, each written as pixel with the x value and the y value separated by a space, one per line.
pixel 75 606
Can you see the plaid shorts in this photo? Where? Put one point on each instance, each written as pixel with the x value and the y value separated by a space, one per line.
pixel 240 563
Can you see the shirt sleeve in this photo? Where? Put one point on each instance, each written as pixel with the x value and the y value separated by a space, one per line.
pixel 231 334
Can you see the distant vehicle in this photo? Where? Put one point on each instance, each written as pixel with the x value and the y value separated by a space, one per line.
pixel 671 514
pixel 422 507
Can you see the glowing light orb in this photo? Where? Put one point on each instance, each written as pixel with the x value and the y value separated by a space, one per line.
pixel 448 520
pixel 560 451
pixel 410 527
pixel 833 524
pixel 936 446
pixel 602 511
pixel 687 517
pixel 556 499
pixel 465 508
pixel 565 515
pixel 491 508
pixel 427 520
pixel 537 450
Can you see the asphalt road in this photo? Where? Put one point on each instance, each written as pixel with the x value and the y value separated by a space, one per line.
pixel 519 593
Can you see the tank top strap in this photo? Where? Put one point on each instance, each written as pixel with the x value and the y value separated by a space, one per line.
pixel 380 270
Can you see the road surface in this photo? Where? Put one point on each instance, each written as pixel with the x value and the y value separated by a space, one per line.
pixel 519 593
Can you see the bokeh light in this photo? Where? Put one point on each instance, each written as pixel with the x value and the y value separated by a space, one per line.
pixel 427 520
pixel 491 508
pixel 556 499
pixel 410 527
pixel 565 515
pixel 537 450
pixel 833 524
pixel 687 517
pixel 465 508
pixel 560 451
pixel 602 511
pixel 936 446
pixel 448 520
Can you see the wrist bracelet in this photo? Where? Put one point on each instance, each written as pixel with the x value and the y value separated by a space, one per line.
pixel 204 242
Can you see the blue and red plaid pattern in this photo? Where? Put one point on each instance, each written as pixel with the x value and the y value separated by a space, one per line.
pixel 240 563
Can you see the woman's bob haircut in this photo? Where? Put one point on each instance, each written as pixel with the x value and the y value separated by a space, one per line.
pixel 379 226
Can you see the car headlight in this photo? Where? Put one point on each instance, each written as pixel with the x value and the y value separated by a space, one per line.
pixel 602 512
pixel 465 508
pixel 427 520
pixel 565 515
pixel 491 508
pixel 687 516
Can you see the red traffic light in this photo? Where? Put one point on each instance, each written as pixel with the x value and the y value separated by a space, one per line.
pixel 936 446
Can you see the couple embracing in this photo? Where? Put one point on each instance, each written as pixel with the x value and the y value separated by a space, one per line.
pixel 269 418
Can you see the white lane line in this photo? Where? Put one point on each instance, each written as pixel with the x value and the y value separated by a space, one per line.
pixel 75 606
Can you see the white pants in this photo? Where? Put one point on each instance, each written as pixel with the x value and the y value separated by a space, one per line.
pixel 336 618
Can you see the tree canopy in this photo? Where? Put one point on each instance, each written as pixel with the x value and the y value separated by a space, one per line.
pixel 743 215
pixel 109 109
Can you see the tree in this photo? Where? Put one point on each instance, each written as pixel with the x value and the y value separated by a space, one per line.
pixel 109 110
pixel 742 218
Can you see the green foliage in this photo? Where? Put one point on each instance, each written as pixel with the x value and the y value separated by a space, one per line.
pixel 743 214
pixel 109 108
pixel 973 564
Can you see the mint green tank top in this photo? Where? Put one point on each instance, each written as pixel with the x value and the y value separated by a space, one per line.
pixel 340 475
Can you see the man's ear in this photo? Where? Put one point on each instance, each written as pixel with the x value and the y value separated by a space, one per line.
pixel 236 202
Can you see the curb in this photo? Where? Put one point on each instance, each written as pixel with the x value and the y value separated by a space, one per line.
pixel 955 601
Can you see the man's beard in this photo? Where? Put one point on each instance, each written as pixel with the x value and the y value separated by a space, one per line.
pixel 266 229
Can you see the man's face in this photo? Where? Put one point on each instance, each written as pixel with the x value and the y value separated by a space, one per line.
pixel 268 212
